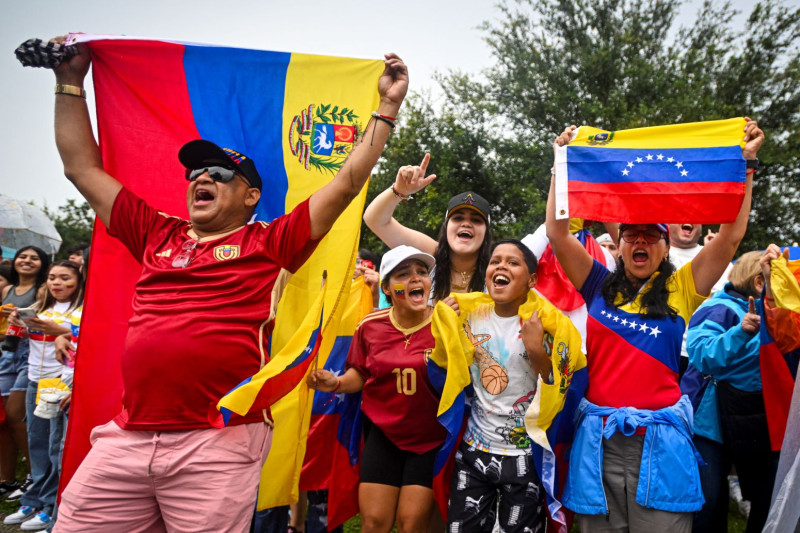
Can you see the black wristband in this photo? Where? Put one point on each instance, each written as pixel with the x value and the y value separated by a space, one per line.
pixel 752 164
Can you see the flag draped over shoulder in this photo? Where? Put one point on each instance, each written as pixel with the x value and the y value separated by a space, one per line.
pixel 548 419
pixel 297 116
pixel 780 346
pixel 665 174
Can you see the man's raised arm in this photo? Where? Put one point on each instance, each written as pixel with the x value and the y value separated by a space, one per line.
pixel 75 140
pixel 330 201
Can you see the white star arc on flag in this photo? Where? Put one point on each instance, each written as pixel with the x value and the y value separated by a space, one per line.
pixel 655 159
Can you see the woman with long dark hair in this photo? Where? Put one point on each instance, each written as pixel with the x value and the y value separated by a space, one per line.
pixel 28 273
pixel 57 314
pixel 633 464
pixel 465 238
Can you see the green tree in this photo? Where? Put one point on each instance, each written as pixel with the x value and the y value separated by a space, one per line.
pixel 74 221
pixel 613 64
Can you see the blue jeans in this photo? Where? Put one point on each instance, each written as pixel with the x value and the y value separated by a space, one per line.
pixel 273 520
pixel 14 369
pixel 317 517
pixel 276 520
pixel 44 445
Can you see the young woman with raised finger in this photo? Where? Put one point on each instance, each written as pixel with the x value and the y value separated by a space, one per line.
pixel 386 363
pixel 462 247
pixel 633 466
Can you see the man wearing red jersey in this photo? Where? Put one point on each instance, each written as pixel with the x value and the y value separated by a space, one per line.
pixel 198 307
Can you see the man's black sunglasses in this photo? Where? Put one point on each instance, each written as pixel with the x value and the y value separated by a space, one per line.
pixel 216 173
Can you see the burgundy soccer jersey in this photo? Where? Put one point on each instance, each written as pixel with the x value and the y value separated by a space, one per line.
pixel 397 396
pixel 193 335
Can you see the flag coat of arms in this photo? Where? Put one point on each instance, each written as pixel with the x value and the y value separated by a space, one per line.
pixel 154 96
pixel 664 174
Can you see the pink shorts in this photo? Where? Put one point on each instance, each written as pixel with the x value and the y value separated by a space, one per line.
pixel 156 481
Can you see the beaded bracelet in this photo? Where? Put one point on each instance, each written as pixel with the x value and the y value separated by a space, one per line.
pixel 401 196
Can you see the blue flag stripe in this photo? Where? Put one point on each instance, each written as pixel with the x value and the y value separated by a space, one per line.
pixel 237 100
pixel 676 165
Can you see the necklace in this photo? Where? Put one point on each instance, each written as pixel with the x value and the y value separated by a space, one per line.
pixel 408 340
pixel 466 276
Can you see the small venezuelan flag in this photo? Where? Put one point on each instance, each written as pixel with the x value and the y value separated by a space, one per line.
pixel 661 174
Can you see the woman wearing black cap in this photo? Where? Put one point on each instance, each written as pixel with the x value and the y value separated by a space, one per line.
pixel 462 247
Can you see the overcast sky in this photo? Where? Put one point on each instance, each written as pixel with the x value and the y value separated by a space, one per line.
pixel 430 35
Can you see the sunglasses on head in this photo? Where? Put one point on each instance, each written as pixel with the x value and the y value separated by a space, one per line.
pixel 650 236
pixel 216 173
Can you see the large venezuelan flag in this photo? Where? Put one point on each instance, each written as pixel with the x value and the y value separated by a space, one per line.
pixel 664 174
pixel 295 115
pixel 780 346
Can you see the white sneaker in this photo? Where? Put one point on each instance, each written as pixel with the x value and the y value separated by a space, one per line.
pixel 17 494
pixel 23 513
pixel 39 522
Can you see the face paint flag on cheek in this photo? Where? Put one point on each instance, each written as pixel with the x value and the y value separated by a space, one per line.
pixel 399 290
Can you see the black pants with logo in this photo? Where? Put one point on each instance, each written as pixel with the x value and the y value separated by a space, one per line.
pixel 485 484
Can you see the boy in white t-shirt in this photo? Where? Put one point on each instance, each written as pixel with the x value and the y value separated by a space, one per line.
pixel 494 458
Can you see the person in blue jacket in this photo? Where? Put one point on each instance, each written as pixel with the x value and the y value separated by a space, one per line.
pixel 724 383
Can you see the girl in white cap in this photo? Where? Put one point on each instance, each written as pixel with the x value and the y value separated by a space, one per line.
pixel 386 363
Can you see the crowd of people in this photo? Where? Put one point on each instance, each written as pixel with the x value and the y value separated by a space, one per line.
pixel 42 305
pixel 670 331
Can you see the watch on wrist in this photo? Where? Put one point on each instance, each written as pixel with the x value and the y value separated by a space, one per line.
pixel 752 164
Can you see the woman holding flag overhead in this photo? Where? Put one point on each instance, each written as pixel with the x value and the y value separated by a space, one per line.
pixel 646 475
pixel 387 364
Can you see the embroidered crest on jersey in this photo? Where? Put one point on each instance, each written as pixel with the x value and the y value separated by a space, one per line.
pixel 226 251
pixel 165 253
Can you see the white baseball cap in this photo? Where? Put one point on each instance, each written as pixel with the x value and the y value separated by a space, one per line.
pixel 395 256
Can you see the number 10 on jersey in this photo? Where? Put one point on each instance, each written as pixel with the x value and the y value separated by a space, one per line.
pixel 406 380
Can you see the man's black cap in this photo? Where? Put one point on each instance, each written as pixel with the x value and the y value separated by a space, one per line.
pixel 469 200
pixel 201 153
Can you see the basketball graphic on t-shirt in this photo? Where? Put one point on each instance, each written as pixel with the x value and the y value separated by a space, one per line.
pixel 494 377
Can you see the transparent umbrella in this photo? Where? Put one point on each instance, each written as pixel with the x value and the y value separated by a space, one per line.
pixel 22 224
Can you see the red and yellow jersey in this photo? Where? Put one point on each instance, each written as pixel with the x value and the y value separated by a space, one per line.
pixel 397 395
pixel 632 358
pixel 193 335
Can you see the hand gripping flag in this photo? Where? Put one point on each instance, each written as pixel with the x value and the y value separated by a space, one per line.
pixel 154 96
pixel 665 174
pixel 548 419
pixel 780 346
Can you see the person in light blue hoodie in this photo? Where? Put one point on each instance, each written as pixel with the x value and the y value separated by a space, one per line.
pixel 724 384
